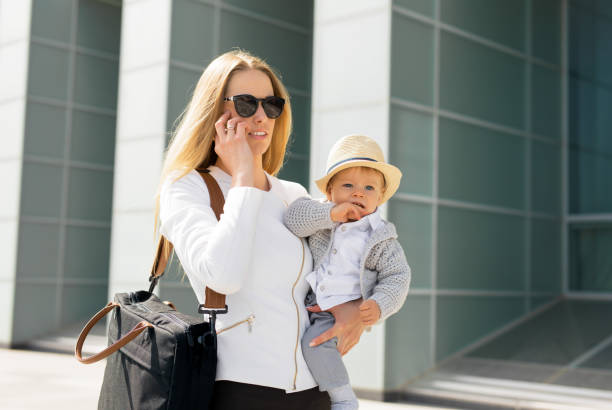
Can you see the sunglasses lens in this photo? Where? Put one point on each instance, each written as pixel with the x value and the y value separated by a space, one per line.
pixel 245 105
pixel 273 106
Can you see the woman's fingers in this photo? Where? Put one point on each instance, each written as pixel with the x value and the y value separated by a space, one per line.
pixel 324 337
pixel 221 123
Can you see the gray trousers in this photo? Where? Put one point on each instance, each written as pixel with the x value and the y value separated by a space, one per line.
pixel 324 360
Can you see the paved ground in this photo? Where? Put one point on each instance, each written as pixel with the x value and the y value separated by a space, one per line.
pixel 54 381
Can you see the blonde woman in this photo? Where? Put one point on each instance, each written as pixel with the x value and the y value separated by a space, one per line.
pixel 237 125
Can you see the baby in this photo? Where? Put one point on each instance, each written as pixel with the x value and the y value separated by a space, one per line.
pixel 356 253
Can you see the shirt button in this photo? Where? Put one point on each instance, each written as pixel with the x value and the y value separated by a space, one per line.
pixel 334 251
pixel 322 288
pixel 344 229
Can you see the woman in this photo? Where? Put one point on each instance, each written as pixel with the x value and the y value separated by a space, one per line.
pixel 237 125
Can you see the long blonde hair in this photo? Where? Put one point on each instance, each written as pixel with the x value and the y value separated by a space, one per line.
pixel 191 145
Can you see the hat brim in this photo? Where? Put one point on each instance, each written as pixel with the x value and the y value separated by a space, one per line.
pixel 391 173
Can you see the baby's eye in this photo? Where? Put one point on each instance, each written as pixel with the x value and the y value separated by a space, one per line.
pixel 370 188
pixel 347 185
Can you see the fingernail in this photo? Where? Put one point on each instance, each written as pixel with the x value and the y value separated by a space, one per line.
pixel 311 344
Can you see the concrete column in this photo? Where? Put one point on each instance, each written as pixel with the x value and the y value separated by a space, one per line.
pixel 141 136
pixel 15 21
pixel 351 94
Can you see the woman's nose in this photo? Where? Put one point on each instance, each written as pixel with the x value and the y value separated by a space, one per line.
pixel 260 114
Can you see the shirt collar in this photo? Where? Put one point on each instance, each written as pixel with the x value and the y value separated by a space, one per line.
pixel 372 220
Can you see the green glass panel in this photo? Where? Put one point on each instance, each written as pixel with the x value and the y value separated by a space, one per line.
pixel 47 76
pixel 412 57
pixel 545 177
pixel 480 250
pixel 182 83
pixel 294 12
pixel 583 118
pixel 90 194
pixel 290 53
pixel 45 130
pixel 295 170
pixel 590 258
pixel 546 102
pixel 93 138
pixel 500 21
pixel 536 302
pixel 103 91
pixel 51 19
pixel 425 7
pixel 463 320
pixel 99 25
pixel 299 142
pixel 556 336
pixel 546 255
pixel 87 252
pixel 408 342
pixel 182 296
pixel 602 360
pixel 478 81
pixel 480 165
pixel 34 311
pixel 81 302
pixel 41 190
pixel 38 250
pixel 546 30
pixel 590 182
pixel 174 272
pixel 192 37
pixel 411 149
pixel 582 45
pixel 414 230
pixel 603 57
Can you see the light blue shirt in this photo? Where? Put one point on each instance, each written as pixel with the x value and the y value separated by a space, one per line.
pixel 336 280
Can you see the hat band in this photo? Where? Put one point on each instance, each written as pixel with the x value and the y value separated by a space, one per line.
pixel 350 159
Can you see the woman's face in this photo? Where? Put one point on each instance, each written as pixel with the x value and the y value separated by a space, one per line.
pixel 259 127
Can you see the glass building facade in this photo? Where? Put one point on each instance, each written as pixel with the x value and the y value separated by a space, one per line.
pixel 498 112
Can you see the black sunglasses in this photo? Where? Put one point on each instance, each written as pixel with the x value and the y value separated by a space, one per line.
pixel 246 105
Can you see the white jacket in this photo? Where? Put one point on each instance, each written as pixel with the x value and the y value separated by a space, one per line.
pixel 250 256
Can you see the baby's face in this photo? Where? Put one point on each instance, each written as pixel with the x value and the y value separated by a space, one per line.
pixel 361 186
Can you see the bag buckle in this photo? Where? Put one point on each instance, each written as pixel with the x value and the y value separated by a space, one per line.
pixel 212 311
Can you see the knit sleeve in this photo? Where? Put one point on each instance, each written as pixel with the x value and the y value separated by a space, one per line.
pixel 306 216
pixel 393 278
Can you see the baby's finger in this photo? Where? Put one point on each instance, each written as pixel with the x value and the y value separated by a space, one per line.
pixel 313 308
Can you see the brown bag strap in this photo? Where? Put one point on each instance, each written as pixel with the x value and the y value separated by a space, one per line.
pixel 136 330
pixel 213 300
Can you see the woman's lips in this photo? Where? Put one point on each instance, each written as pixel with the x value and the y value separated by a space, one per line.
pixel 258 134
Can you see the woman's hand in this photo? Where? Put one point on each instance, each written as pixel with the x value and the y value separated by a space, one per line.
pixel 233 149
pixel 348 327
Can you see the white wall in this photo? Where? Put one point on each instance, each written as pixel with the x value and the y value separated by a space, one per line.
pixel 141 128
pixel 350 94
pixel 15 21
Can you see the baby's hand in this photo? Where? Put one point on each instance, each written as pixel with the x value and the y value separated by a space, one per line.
pixel 369 312
pixel 345 212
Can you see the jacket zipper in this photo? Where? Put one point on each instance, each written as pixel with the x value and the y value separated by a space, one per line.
pixel 249 320
pixel 297 311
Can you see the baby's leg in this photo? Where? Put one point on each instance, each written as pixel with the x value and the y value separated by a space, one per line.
pixel 325 363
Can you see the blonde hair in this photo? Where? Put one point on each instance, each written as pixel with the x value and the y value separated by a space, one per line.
pixel 191 145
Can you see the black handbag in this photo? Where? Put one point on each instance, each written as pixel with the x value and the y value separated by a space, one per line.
pixel 158 357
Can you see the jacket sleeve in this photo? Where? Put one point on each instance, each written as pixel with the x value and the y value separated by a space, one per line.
pixel 306 216
pixel 393 278
pixel 213 253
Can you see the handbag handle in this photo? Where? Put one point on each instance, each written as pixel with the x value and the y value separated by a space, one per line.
pixel 127 338
pixel 213 300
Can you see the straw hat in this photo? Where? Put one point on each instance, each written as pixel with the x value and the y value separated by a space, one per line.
pixel 360 151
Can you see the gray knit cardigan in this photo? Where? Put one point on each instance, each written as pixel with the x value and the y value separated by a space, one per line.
pixel 384 272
